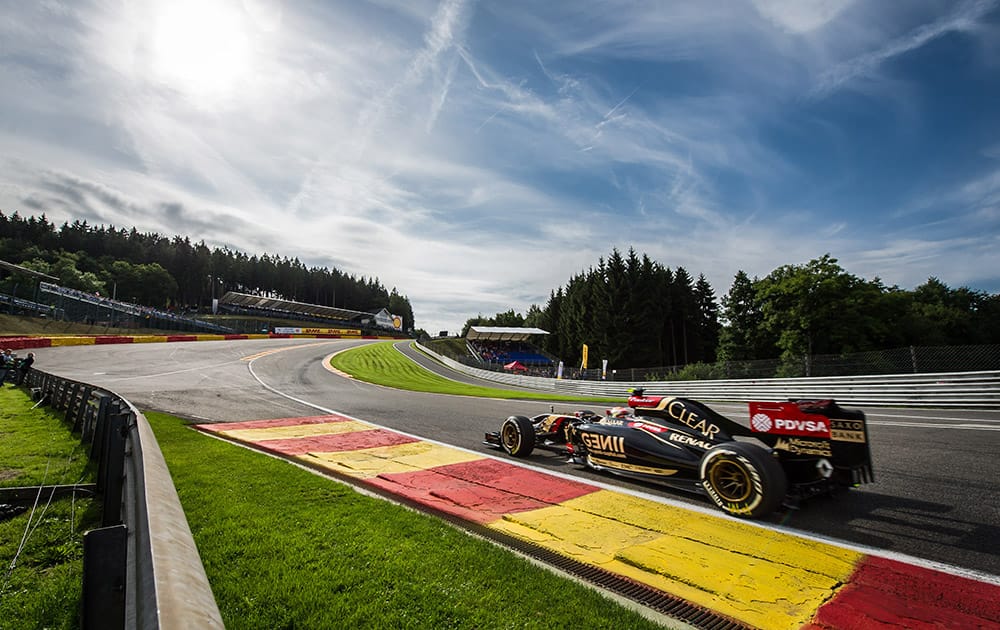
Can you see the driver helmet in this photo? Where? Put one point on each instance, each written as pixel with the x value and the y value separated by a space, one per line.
pixel 619 412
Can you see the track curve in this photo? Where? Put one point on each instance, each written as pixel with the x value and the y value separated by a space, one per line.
pixel 935 470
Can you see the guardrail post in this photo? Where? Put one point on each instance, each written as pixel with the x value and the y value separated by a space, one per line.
pixel 113 465
pixel 98 446
pixel 104 572
pixel 90 420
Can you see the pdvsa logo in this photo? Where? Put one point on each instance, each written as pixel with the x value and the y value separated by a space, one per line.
pixel 761 422
pixel 807 426
pixel 802 426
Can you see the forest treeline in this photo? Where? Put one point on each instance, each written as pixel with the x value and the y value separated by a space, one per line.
pixel 636 312
pixel 157 271
pixel 629 309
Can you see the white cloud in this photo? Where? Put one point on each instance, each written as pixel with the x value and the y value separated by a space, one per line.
pixel 473 155
pixel 963 18
pixel 801 16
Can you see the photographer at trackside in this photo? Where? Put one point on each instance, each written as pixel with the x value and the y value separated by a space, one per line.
pixel 21 368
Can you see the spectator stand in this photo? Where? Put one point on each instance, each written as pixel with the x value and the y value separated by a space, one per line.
pixel 92 308
pixel 13 277
pixel 496 346
pixel 19 306
pixel 269 307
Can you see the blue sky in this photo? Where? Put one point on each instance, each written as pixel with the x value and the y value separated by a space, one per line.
pixel 476 155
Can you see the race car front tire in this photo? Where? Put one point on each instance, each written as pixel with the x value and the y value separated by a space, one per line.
pixel 517 436
pixel 743 479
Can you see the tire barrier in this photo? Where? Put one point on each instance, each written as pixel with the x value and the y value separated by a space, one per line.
pixel 141 568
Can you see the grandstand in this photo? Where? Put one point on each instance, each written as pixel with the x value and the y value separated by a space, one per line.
pixel 80 306
pixel 64 304
pixel 13 305
pixel 19 306
pixel 268 307
pixel 497 345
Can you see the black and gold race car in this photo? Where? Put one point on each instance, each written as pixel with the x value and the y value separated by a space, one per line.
pixel 791 451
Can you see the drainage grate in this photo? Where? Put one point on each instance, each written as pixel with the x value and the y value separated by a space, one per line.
pixel 649 597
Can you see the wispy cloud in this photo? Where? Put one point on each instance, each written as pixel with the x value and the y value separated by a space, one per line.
pixel 801 16
pixel 964 18
pixel 478 154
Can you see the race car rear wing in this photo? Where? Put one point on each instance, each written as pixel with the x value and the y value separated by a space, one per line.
pixel 819 428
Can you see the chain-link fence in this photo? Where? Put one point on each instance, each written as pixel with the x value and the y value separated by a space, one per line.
pixel 910 360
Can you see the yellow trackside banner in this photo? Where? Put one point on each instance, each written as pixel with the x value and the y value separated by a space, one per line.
pixel 583 365
pixel 315 331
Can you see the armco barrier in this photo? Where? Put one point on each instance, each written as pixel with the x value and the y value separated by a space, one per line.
pixel 955 389
pixel 141 568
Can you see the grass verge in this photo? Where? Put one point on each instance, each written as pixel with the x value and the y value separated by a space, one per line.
pixel 286 548
pixel 41 549
pixel 382 364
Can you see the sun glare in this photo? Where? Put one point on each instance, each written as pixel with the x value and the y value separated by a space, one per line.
pixel 200 47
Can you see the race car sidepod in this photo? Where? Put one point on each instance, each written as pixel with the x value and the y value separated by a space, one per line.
pixel 819 443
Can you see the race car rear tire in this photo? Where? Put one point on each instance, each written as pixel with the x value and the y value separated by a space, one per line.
pixel 743 479
pixel 517 436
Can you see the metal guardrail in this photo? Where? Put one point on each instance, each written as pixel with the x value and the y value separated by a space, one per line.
pixel 141 568
pixel 953 389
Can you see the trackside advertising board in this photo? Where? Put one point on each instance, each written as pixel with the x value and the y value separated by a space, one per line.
pixel 279 330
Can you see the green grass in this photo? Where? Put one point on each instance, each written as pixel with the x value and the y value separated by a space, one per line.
pixel 382 364
pixel 37 447
pixel 285 548
pixel 453 347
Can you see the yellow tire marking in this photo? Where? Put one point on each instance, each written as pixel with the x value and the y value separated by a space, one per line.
pixel 296 431
pixel 766 578
pixel 403 458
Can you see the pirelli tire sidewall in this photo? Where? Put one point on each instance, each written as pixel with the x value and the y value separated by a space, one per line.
pixel 517 436
pixel 736 463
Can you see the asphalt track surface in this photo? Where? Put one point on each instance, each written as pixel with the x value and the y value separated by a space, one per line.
pixel 934 499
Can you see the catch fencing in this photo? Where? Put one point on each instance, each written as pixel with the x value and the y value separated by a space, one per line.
pixel 141 568
pixel 968 390
pixel 908 360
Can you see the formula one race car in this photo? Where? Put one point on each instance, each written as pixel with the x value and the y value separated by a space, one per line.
pixel 792 450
